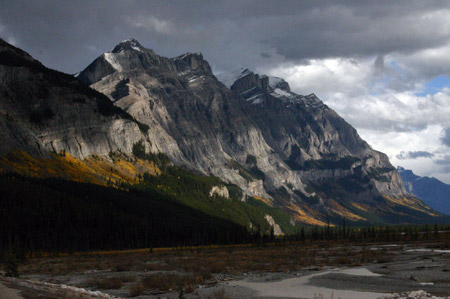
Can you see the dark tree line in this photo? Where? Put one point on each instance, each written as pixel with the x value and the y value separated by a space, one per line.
pixel 59 215
pixel 388 233
pixel 65 216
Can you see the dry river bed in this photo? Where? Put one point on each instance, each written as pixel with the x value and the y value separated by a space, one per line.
pixel 322 270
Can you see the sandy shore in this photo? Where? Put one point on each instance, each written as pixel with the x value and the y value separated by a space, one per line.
pixel 301 287
pixel 412 270
pixel 8 293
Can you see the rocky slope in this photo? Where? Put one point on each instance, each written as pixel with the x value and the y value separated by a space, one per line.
pixel 286 150
pixel 42 111
pixel 432 191
pixel 310 136
pixel 193 118
pixel 289 150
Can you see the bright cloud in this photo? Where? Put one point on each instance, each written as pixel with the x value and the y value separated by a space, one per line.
pixel 382 65
pixel 378 96
pixel 151 23
pixel 7 35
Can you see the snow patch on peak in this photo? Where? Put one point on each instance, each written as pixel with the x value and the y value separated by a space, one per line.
pixel 255 99
pixel 129 44
pixel 228 79
pixel 183 56
pixel 130 40
pixel 112 60
pixel 312 101
pixel 188 54
pixel 274 81
pixel 279 93
pixel 195 78
pixel 136 48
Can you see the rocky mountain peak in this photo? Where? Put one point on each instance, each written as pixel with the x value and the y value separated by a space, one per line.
pixel 228 78
pixel 262 137
pixel 407 174
pixel 49 111
pixel 264 82
pixel 130 56
pixel 127 55
pixel 433 192
pixel 245 82
pixel 192 62
pixel 127 45
pixel 276 82
pixel 254 87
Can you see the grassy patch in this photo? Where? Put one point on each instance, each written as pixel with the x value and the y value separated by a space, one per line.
pixel 136 289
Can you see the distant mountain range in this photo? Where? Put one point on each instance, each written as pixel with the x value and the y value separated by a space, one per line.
pixel 432 191
pixel 287 159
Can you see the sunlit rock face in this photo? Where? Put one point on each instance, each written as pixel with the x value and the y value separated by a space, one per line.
pixel 251 130
pixel 42 110
pixel 248 129
pixel 193 117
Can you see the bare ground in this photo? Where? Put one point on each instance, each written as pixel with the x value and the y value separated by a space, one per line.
pixel 294 271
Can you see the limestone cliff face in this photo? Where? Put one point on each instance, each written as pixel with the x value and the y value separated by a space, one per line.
pixel 42 110
pixel 288 150
pixel 193 117
pixel 312 138
pixel 250 130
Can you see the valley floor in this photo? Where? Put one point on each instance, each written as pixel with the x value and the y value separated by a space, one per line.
pixel 318 270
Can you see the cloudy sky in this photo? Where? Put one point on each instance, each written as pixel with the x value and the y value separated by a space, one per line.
pixel 382 65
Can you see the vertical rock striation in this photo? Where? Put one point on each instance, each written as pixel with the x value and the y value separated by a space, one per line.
pixel 288 150
pixel 250 130
pixel 42 110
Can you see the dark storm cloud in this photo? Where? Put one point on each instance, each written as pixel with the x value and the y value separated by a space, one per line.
pixel 444 160
pixel 444 164
pixel 414 155
pixel 445 139
pixel 67 35
pixel 379 64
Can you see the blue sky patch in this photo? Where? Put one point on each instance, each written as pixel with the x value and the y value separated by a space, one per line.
pixel 395 65
pixel 435 85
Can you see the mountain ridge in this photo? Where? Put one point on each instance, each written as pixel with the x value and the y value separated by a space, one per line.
pixel 290 144
pixel 38 117
pixel 289 151
pixel 432 191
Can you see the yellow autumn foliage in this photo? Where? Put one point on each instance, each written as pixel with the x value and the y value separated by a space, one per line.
pixel 264 200
pixel 362 207
pixel 411 203
pixel 301 216
pixel 95 169
pixel 343 212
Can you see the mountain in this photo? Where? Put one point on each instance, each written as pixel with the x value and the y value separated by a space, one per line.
pixel 432 191
pixel 75 174
pixel 287 150
pixel 43 110
pixel 251 152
